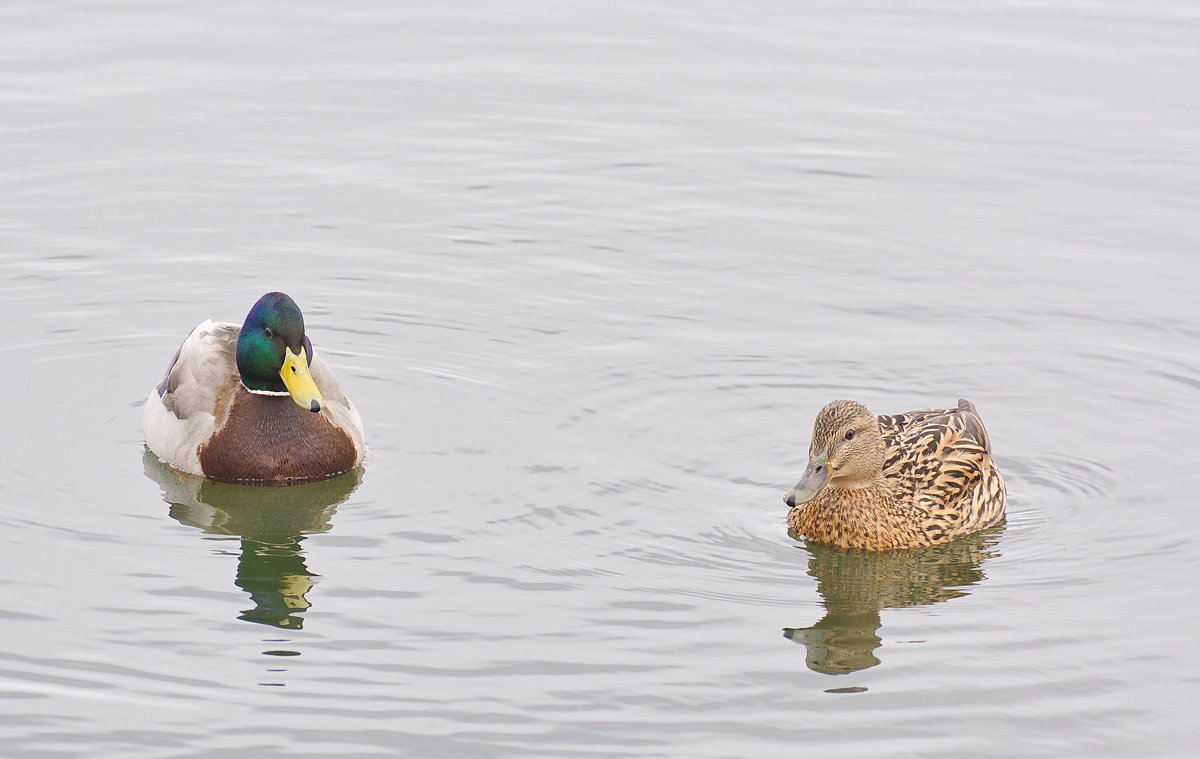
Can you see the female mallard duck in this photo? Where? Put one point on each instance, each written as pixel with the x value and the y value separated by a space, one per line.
pixel 253 404
pixel 899 481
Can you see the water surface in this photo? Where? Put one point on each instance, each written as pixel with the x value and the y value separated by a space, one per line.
pixel 588 273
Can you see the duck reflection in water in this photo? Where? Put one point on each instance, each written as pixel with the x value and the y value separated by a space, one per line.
pixel 270 523
pixel 856 585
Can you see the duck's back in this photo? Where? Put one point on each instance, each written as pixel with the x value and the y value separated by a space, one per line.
pixel 939 462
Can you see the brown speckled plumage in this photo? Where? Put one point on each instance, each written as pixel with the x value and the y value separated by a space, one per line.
pixel 901 481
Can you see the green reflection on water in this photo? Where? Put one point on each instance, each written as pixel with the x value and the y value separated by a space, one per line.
pixel 856 585
pixel 270 522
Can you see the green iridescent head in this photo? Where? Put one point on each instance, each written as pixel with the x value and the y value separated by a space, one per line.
pixel 273 353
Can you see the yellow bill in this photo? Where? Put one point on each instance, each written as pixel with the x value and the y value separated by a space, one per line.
pixel 299 382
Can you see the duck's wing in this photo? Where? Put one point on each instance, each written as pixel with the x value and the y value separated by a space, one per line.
pixel 973 424
pixel 203 373
pixel 936 458
pixel 182 410
pixel 897 427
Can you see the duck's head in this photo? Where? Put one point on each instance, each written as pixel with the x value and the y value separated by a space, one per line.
pixel 846 451
pixel 273 353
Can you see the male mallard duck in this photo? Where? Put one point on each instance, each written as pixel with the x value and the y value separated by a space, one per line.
pixel 899 481
pixel 253 404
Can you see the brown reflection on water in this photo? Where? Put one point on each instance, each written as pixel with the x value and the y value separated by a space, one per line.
pixel 270 523
pixel 856 586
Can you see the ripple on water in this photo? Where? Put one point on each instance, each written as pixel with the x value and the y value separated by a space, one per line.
pixel 654 447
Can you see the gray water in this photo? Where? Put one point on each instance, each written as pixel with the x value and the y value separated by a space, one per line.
pixel 589 271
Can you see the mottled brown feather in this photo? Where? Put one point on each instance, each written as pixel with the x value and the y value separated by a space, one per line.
pixel 937 481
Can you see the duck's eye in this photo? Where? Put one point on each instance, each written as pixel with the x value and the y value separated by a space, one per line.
pixel 849 434
pixel 268 333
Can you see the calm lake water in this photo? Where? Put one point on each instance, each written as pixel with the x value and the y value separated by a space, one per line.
pixel 589 271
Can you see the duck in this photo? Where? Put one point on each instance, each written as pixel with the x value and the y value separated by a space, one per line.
pixel 901 481
pixel 253 403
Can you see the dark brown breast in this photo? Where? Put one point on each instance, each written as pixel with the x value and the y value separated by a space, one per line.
pixel 269 438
